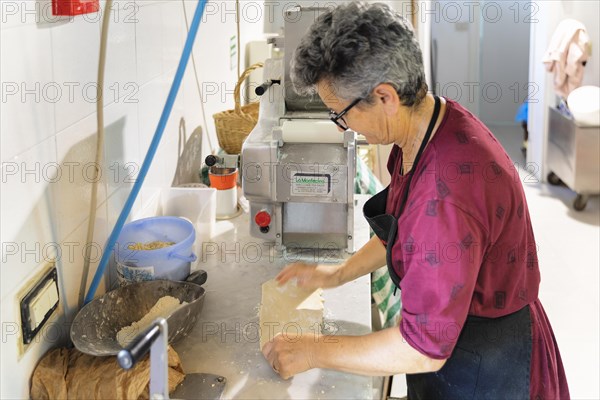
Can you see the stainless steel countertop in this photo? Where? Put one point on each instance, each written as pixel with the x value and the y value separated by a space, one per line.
pixel 225 340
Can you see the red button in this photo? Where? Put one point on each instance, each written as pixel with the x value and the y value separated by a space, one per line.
pixel 262 219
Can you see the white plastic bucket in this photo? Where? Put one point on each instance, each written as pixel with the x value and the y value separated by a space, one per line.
pixel 584 104
pixel 171 263
pixel 196 204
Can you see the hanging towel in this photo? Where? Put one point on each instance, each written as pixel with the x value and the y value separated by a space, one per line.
pixel 566 56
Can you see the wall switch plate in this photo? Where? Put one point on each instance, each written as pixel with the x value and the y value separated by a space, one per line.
pixel 38 304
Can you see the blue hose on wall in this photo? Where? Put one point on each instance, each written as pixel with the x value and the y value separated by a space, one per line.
pixel 112 239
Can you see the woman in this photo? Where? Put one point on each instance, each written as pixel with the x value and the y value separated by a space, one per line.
pixel 453 228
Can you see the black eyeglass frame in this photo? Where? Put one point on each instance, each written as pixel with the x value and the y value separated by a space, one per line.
pixel 335 117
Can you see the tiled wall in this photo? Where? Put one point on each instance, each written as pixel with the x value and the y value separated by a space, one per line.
pixel 48 140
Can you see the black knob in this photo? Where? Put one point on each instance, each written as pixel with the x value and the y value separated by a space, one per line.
pixel 211 160
pixel 198 277
pixel 263 88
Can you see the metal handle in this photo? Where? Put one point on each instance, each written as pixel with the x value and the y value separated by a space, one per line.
pixel 263 88
pixel 128 357
pixel 155 340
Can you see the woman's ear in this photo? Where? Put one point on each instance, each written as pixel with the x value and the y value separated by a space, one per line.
pixel 388 97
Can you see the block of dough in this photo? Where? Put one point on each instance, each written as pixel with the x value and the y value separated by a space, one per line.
pixel 290 310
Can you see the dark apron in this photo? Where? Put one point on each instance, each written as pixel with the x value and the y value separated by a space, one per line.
pixel 492 357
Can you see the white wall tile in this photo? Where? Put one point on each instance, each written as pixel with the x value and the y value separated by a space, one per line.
pixel 65 51
pixel 29 231
pixel 121 146
pixel 170 152
pixel 70 264
pixel 18 13
pixel 189 91
pixel 75 61
pixel 169 143
pixel 217 79
pixel 149 43
pixel 173 39
pixel 152 100
pixel 148 3
pixel 193 110
pixel 121 74
pixel 28 90
pixel 76 153
pixel 115 205
pixel 26 12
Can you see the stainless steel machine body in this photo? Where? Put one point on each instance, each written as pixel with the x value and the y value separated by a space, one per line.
pixel 297 169
pixel 573 153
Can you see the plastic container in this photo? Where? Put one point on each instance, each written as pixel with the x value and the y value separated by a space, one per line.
pixel 171 263
pixel 224 180
pixel 198 204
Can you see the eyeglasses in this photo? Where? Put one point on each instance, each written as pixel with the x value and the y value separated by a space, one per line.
pixel 336 117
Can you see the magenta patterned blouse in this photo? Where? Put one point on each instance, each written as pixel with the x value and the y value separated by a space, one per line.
pixel 465 246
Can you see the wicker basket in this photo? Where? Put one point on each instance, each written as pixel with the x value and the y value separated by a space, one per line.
pixel 234 125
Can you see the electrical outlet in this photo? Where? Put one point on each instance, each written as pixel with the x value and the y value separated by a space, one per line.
pixel 39 303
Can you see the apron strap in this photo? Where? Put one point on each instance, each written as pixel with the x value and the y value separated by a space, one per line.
pixel 385 226
pixel 394 231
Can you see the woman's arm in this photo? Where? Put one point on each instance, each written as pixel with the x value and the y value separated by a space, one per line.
pixel 370 257
pixel 366 260
pixel 378 354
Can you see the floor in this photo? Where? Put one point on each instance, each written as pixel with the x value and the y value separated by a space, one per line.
pixel 569 255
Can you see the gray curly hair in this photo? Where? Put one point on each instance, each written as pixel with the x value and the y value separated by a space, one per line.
pixel 356 46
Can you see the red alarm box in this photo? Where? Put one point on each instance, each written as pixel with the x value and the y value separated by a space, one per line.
pixel 74 7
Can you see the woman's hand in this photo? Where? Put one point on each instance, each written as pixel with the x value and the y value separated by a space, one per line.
pixel 310 276
pixel 290 356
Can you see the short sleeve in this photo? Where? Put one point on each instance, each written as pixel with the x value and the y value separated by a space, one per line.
pixel 440 248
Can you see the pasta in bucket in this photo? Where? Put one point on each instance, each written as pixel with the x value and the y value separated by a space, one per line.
pixel 155 248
